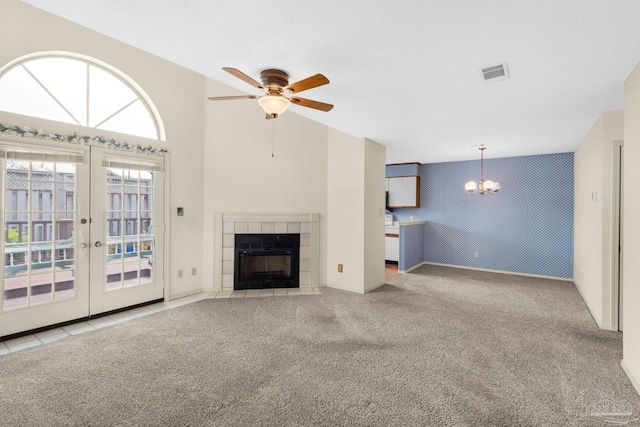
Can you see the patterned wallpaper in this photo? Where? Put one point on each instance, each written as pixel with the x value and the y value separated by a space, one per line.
pixel 412 247
pixel 527 227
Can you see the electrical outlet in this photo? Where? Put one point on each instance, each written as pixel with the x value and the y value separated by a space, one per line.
pixel 476 254
pixel 339 268
pixel 180 274
pixel 194 271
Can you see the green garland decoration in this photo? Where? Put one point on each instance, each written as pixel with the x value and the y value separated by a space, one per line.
pixel 74 138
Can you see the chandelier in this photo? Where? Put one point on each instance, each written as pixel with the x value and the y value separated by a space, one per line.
pixel 483 187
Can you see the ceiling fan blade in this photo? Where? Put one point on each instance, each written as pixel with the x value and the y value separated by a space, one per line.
pixel 308 83
pixel 242 76
pixel 311 104
pixel 225 98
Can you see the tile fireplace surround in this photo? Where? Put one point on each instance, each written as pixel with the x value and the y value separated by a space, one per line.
pixel 226 225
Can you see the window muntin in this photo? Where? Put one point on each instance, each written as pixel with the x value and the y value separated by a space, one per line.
pixel 77 91
pixel 39 264
pixel 129 227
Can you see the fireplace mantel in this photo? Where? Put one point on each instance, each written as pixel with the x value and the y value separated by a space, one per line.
pixel 227 225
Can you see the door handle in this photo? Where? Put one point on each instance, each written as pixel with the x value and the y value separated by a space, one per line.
pixel 83 245
pixel 98 244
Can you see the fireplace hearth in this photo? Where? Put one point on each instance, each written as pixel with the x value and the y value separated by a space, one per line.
pixel 264 261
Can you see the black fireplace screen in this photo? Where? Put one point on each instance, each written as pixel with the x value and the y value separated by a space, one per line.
pixel 269 266
pixel 266 261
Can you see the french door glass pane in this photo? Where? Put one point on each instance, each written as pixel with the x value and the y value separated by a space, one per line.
pixel 39 241
pixel 129 228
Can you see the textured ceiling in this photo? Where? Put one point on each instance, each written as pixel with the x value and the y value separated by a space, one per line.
pixel 405 73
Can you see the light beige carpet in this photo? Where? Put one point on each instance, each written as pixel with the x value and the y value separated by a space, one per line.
pixel 438 347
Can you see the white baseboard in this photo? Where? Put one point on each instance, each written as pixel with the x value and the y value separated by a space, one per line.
pixel 342 288
pixel 373 287
pixel 185 294
pixel 500 271
pixel 412 268
pixel 632 377
pixel 591 310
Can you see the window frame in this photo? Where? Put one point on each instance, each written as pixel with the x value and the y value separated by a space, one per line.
pixel 116 73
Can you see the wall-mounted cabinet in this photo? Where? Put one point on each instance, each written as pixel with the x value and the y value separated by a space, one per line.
pixel 404 191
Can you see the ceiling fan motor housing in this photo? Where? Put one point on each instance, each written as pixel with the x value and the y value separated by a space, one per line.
pixel 274 79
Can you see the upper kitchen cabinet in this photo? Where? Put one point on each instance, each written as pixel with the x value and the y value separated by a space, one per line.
pixel 404 191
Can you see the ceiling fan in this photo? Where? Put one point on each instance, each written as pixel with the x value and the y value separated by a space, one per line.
pixel 279 94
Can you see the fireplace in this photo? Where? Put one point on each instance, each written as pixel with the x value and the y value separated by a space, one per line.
pixel 264 261
pixel 227 225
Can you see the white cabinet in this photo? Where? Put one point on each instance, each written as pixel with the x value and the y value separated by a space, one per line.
pixel 404 191
pixel 395 192
pixel 392 248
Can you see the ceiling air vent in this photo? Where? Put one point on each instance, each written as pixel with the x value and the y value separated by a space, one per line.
pixel 495 73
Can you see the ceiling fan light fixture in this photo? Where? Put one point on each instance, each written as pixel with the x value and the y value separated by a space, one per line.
pixel 274 104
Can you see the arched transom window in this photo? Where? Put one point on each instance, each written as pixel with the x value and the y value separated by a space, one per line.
pixel 79 90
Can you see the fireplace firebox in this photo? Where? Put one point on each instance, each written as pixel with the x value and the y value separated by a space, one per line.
pixel 264 261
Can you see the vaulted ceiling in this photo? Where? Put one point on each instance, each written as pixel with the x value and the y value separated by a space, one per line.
pixel 406 74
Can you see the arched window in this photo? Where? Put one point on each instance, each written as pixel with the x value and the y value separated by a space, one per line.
pixel 76 89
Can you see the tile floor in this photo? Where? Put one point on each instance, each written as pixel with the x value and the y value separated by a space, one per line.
pixel 28 341
pixel 280 292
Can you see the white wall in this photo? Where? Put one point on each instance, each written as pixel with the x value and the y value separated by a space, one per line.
pixel 175 91
pixel 242 176
pixel 355 213
pixel 631 220
pixel 345 236
pixel 220 157
pixel 374 203
pixel 594 219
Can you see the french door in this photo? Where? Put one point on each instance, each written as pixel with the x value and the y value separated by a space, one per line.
pixel 127 226
pixel 83 233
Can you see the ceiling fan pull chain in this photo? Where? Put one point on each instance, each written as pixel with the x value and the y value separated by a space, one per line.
pixel 273 135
